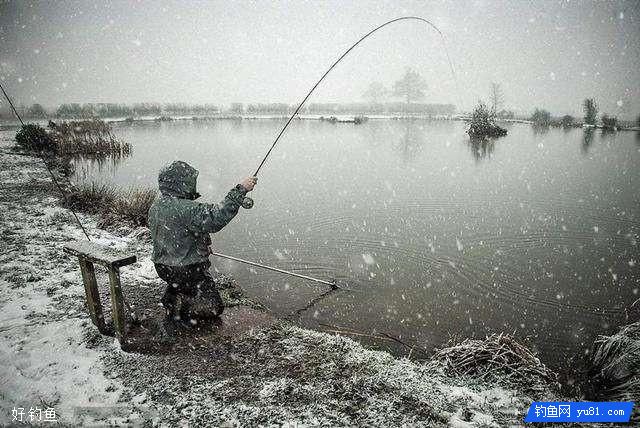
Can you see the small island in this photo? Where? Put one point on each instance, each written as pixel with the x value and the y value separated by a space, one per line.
pixel 483 123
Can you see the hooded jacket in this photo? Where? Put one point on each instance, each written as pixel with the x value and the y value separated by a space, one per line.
pixel 179 225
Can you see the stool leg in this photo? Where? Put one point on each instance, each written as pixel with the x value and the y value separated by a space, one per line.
pixel 92 294
pixel 117 305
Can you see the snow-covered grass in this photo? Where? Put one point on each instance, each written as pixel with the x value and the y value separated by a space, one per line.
pixel 285 374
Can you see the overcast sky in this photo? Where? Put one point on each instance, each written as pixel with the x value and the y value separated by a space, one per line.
pixel 549 54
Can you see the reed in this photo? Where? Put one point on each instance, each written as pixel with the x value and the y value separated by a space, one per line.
pixel 131 206
pixel 92 136
pixel 114 206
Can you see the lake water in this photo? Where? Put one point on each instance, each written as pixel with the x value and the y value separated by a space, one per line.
pixel 534 234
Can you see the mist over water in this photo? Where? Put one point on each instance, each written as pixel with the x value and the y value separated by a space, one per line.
pixel 534 234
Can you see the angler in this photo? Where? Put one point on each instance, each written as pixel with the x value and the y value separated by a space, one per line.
pixel 180 229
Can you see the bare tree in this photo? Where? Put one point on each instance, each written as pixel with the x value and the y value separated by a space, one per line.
pixel 411 87
pixel 497 98
pixel 376 92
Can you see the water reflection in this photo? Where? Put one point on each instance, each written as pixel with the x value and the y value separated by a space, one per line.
pixel 540 129
pixel 587 140
pixel 412 141
pixel 481 147
pixel 84 165
pixel 608 134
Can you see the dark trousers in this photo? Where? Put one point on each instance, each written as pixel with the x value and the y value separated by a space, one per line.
pixel 191 292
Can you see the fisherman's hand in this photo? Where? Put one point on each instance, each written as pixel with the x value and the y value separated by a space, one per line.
pixel 248 183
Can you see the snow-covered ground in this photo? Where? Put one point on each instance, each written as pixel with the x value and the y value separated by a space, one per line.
pixel 44 360
pixel 52 357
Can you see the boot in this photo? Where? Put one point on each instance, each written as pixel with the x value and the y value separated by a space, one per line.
pixel 167 329
pixel 169 300
pixel 209 305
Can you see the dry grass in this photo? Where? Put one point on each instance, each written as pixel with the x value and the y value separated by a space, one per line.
pixel 115 206
pixel 131 206
pixel 498 358
pixel 616 365
pixel 93 136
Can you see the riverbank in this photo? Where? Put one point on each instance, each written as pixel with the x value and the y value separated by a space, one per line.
pixel 51 356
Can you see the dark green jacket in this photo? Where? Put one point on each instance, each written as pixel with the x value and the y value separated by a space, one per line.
pixel 180 226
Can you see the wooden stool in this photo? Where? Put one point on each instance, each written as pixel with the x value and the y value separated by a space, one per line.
pixel 89 253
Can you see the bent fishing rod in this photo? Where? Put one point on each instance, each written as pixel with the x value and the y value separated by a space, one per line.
pixel 248 202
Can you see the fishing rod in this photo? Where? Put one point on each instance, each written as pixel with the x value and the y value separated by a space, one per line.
pixel 248 202
pixel 332 284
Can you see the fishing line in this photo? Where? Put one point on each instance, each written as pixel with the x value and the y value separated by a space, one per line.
pixel 404 18
pixel 53 177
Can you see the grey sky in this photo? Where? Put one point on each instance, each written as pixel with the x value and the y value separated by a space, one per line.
pixel 548 54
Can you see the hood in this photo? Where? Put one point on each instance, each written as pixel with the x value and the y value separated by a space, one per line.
pixel 178 180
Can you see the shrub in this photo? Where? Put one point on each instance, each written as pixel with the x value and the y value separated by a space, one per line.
pixel 35 137
pixel 567 121
pixel 482 124
pixel 541 117
pixel 481 115
pixel 609 122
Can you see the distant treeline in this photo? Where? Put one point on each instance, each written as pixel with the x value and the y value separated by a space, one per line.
pixel 139 109
pixel 347 108
pixel 382 108
pixel 543 118
pixel 111 110
pixel 114 110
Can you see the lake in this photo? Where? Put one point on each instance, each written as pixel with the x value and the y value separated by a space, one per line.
pixel 534 234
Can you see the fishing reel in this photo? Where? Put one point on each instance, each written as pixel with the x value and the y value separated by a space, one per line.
pixel 247 203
